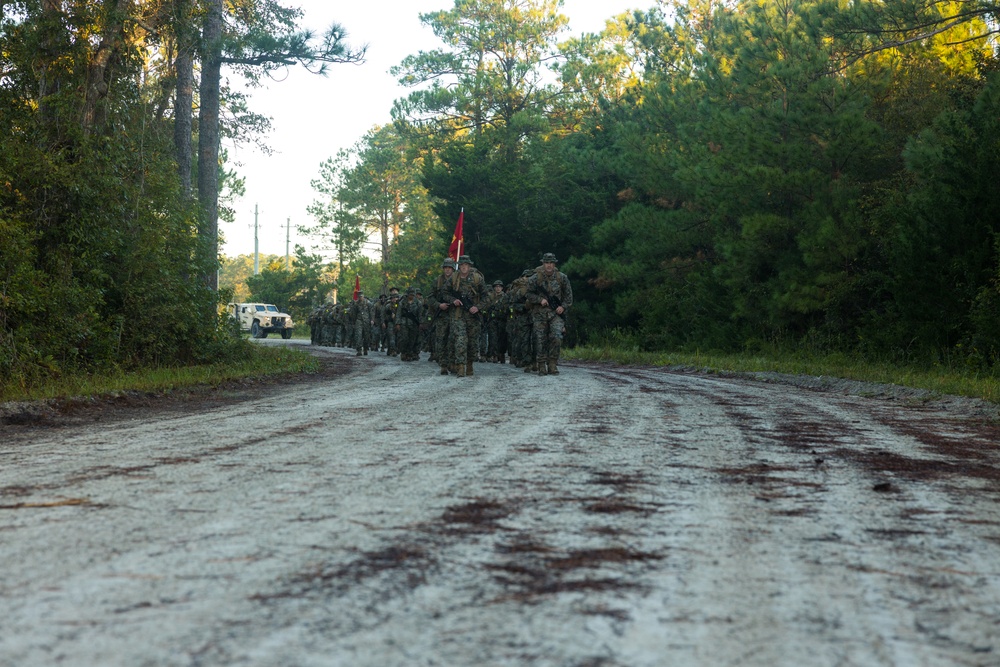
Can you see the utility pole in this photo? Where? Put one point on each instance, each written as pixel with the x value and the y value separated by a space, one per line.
pixel 288 240
pixel 256 249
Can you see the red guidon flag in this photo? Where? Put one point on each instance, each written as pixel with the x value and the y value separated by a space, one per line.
pixel 357 286
pixel 457 242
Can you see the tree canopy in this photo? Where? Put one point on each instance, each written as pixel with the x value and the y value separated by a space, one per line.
pixel 713 174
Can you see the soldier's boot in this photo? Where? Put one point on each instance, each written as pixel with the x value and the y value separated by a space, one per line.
pixel 543 366
pixel 468 368
pixel 553 358
pixel 358 353
pixel 529 367
pixel 461 371
pixel 444 369
pixel 500 359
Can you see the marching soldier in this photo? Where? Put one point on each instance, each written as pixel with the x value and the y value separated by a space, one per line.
pixel 519 331
pixel 437 306
pixel 549 295
pixel 362 317
pixel 467 290
pixel 496 319
pixel 408 316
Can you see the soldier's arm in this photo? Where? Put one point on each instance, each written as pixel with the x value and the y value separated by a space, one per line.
pixel 531 296
pixel 567 291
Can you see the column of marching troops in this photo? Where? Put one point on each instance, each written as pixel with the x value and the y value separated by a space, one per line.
pixel 459 320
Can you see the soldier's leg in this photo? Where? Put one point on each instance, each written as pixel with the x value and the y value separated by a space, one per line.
pixel 557 330
pixel 540 332
pixel 441 343
pixel 474 327
pixel 491 340
pixel 413 344
pixel 459 342
pixel 501 344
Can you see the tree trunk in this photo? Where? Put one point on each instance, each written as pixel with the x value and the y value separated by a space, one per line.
pixel 208 137
pixel 93 114
pixel 47 84
pixel 184 99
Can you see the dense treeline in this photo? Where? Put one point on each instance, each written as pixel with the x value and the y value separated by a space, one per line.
pixel 790 181
pixel 729 175
pixel 713 174
pixel 99 244
pixel 112 114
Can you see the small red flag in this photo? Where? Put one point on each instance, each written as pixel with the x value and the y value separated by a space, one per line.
pixel 455 249
pixel 357 286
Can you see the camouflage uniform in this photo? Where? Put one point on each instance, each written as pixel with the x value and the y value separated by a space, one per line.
pixel 465 326
pixel 496 324
pixel 436 297
pixel 426 321
pixel 390 316
pixel 377 332
pixel 519 327
pixel 407 326
pixel 315 324
pixel 548 326
pixel 339 325
pixel 327 328
pixel 362 317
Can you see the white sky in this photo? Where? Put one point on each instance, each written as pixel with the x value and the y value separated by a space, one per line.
pixel 313 117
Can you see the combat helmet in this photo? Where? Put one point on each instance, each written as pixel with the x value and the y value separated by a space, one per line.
pixel 498 282
pixel 448 263
pixel 464 259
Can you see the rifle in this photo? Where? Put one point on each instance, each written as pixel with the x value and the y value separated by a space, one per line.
pixel 554 301
pixel 410 316
pixel 466 303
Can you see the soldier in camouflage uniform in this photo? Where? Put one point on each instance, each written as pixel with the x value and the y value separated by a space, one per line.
pixel 426 319
pixel 322 318
pixel 390 314
pixel 496 323
pixel 314 325
pixel 408 316
pixel 519 329
pixel 438 304
pixel 549 297
pixel 378 331
pixel 339 329
pixel 362 317
pixel 467 292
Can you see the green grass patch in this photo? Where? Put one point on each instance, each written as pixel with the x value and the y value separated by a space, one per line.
pixel 258 362
pixel 940 379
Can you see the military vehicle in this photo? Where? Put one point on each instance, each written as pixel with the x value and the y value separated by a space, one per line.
pixel 261 319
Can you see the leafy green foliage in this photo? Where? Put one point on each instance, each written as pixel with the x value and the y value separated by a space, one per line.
pixel 100 249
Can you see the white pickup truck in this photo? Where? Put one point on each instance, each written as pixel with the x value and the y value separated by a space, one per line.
pixel 261 319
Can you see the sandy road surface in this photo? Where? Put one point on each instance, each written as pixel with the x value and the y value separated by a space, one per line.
pixel 606 517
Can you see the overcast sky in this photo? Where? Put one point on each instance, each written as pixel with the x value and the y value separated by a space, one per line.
pixel 314 116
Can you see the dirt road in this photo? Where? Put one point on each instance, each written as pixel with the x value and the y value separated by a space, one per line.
pixel 384 515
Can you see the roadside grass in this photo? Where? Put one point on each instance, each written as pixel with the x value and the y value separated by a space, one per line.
pixel 259 362
pixel 941 379
pixel 263 361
